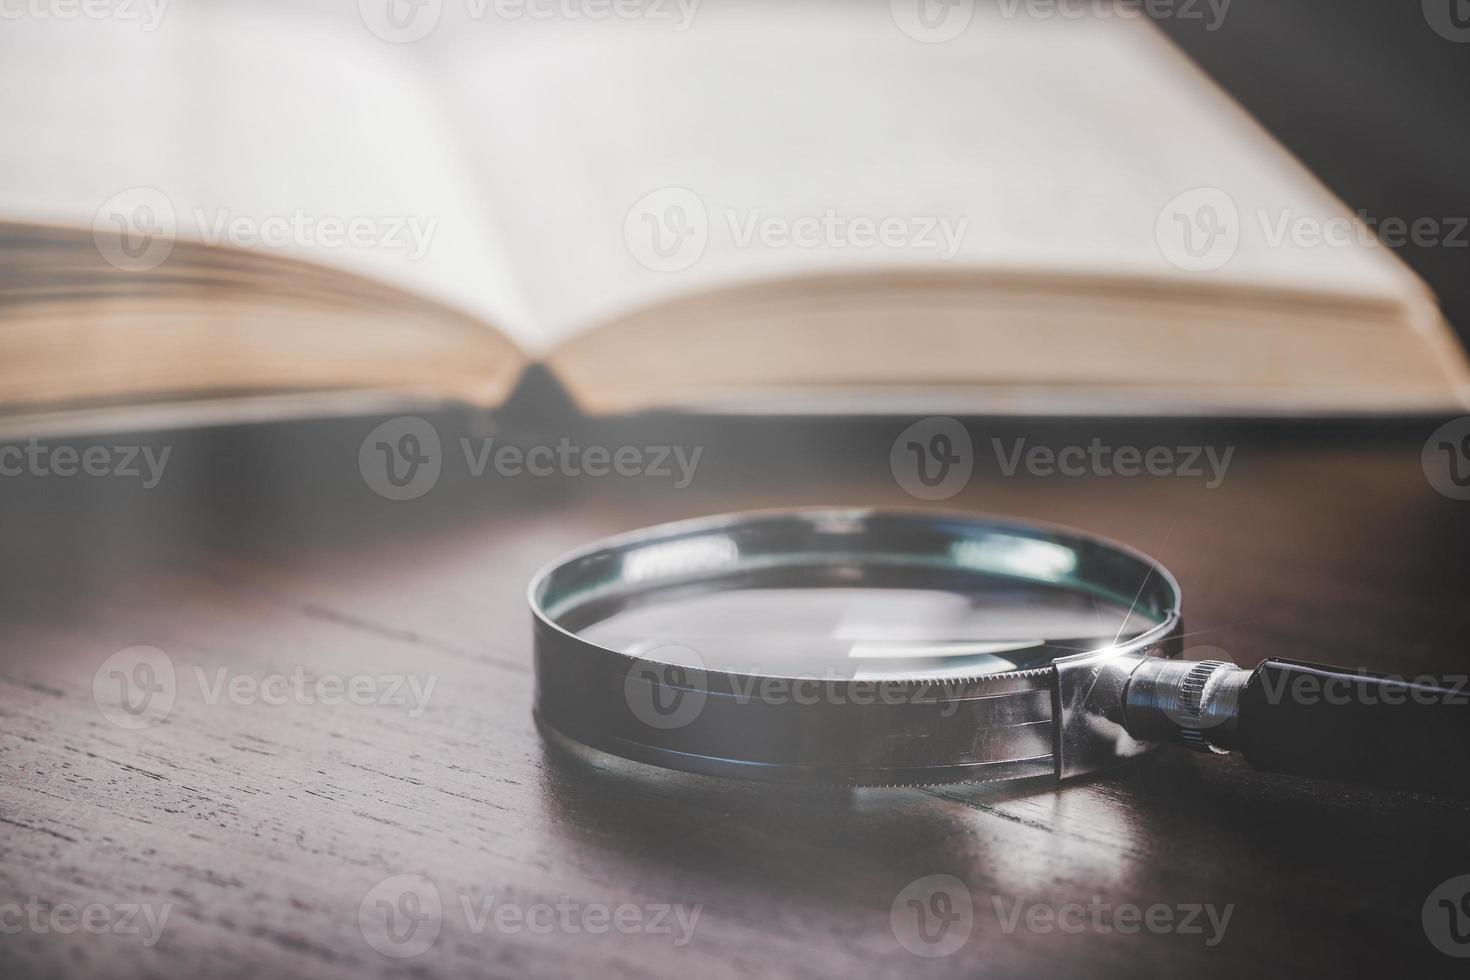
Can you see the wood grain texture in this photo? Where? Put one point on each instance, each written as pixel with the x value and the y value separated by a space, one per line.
pixel 262 827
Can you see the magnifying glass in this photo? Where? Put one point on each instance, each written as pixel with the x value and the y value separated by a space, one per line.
pixel 894 647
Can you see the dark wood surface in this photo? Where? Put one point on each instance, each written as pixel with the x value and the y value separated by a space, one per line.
pixel 263 827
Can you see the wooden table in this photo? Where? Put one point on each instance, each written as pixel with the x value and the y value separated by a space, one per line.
pixel 262 827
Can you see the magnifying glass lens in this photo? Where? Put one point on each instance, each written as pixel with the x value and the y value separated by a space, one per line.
pixel 976 625
pixel 858 647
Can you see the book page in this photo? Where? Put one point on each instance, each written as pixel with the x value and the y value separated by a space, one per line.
pixel 266 128
pixel 771 141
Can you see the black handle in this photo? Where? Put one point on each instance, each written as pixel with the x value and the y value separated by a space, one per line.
pixel 1312 720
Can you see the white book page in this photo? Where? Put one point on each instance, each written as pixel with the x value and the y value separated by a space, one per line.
pixel 267 127
pixel 632 162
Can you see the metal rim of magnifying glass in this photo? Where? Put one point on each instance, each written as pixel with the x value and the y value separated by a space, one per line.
pixel 1061 719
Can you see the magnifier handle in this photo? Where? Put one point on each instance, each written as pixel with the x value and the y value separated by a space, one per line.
pixel 1313 720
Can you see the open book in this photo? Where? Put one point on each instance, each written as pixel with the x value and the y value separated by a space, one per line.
pixel 762 207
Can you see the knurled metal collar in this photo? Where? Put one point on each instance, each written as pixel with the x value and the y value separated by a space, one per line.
pixel 1191 706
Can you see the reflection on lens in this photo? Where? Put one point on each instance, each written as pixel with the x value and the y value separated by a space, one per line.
pixel 868 632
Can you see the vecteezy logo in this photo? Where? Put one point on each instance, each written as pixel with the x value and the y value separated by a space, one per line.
pixel 135 688
pixel 401 458
pixel 1450 19
pixel 401 916
pixel 933 458
pixel 1446 459
pixel 400 21
pixel 134 230
pixel 1199 230
pixel 667 230
pixel 665 686
pixel 1446 917
pixel 932 21
pixel 933 916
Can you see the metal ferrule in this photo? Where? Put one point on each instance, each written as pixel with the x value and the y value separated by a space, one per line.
pixel 1192 703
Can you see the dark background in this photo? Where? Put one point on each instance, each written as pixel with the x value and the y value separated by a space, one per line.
pixel 1369 97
